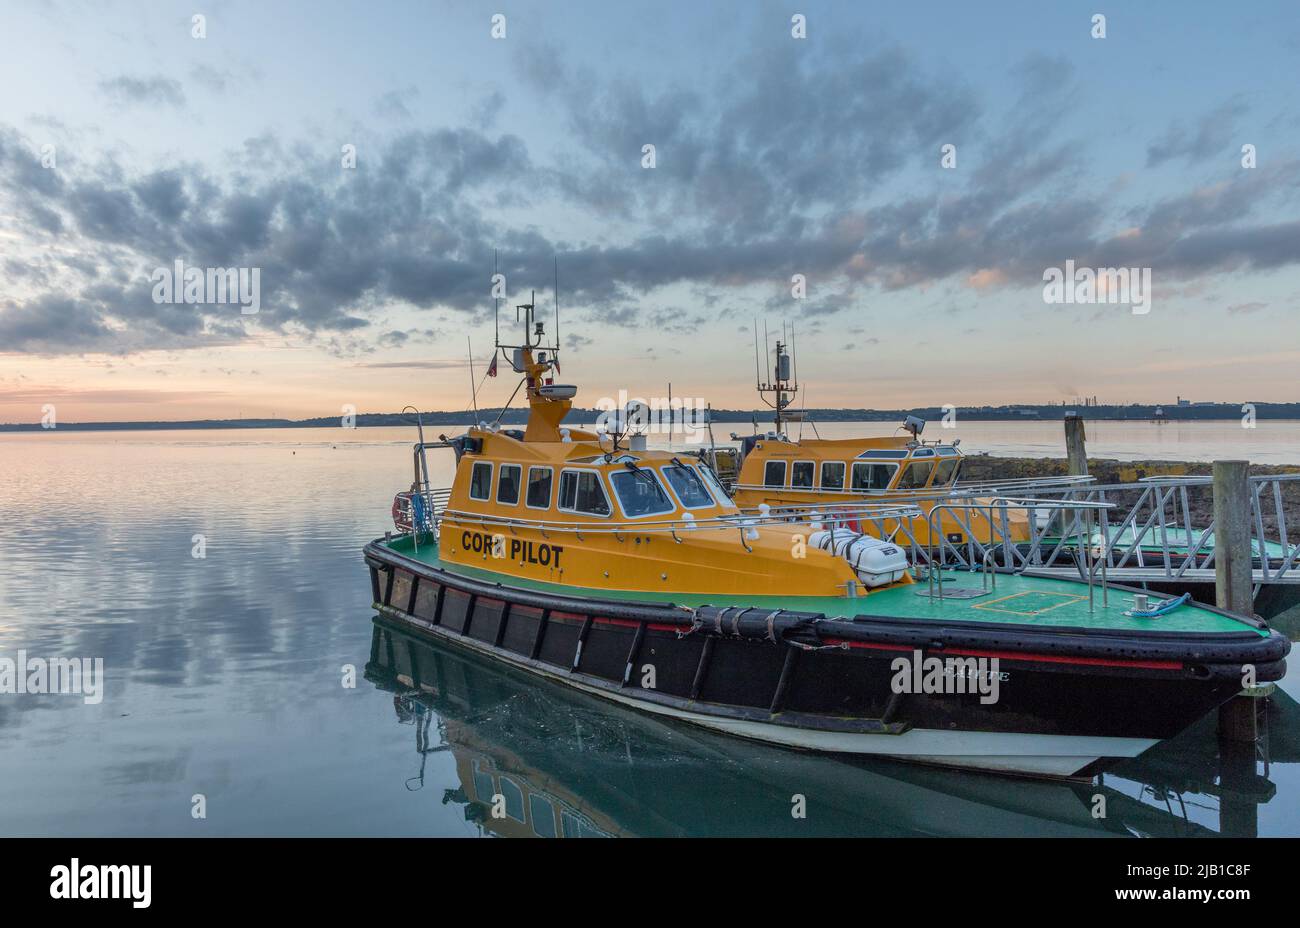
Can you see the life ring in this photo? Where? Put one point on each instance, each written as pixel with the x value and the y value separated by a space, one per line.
pixel 402 512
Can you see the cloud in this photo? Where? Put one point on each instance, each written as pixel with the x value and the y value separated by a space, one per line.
pixel 414 365
pixel 395 103
pixel 156 90
pixel 785 163
pixel 986 278
pixel 780 133
pixel 221 80
pixel 52 323
pixel 1213 134
pixel 332 246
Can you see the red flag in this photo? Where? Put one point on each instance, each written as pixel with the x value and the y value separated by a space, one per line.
pixel 492 368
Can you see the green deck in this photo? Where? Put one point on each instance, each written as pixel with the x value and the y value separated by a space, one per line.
pixel 1018 600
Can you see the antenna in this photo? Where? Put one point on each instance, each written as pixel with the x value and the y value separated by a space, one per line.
pixel 758 375
pixel 794 357
pixel 473 391
pixel 496 313
pixel 557 307
pixel 767 340
pixel 782 386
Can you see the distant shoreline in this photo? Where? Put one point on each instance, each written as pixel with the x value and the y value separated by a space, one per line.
pixel 1216 412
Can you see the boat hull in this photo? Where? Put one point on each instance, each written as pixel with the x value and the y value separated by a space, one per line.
pixel 1068 701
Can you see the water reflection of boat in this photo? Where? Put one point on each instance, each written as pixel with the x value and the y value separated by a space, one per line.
pixel 560 763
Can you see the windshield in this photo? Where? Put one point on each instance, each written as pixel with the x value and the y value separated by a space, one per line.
pixel 688 487
pixel 718 493
pixel 916 475
pixel 639 493
pixel 946 471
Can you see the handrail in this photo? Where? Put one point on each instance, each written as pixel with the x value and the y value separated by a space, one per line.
pixel 932 493
pixel 725 522
pixel 811 511
pixel 1002 504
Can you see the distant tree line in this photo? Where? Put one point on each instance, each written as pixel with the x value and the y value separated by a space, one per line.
pixel 518 416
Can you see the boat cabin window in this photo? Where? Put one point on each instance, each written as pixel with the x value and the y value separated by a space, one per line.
pixel 945 471
pixel 872 476
pixel 639 493
pixel 774 474
pixel 801 474
pixel 480 481
pixel 484 787
pixel 832 475
pixel 715 487
pixel 508 484
pixel 539 487
pixel 581 491
pixel 514 799
pixel 916 475
pixel 687 485
pixel 542 813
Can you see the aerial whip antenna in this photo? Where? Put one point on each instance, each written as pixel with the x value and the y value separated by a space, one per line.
pixel 473 391
pixel 767 340
pixel 794 357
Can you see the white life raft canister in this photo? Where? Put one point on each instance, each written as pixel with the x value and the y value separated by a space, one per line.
pixel 875 562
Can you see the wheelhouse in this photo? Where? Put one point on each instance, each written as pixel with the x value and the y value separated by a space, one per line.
pixel 840 467
pixel 626 487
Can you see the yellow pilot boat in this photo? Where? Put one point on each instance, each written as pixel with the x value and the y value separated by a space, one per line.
pixel 631 575
pixel 788 475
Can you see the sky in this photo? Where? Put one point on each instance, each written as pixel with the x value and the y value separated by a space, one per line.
pixel 129 141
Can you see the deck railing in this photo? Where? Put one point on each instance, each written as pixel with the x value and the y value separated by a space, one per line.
pixel 744 522
pixel 1158 528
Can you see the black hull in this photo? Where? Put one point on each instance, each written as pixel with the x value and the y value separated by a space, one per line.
pixel 803 681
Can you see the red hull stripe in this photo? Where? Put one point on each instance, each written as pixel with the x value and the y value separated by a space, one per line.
pixel 625 623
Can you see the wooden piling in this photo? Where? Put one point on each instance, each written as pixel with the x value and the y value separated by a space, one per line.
pixel 1232 558
pixel 1075 451
pixel 1233 583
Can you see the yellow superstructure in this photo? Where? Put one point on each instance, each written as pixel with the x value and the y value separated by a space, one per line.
pixel 569 506
pixel 853 471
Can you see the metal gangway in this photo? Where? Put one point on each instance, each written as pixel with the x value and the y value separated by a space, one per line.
pixel 1150 530
pixel 1146 531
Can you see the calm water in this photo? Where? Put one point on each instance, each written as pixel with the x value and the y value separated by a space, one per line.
pixel 225 679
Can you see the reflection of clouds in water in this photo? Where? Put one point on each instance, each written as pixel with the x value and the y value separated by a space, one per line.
pixel 98 559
